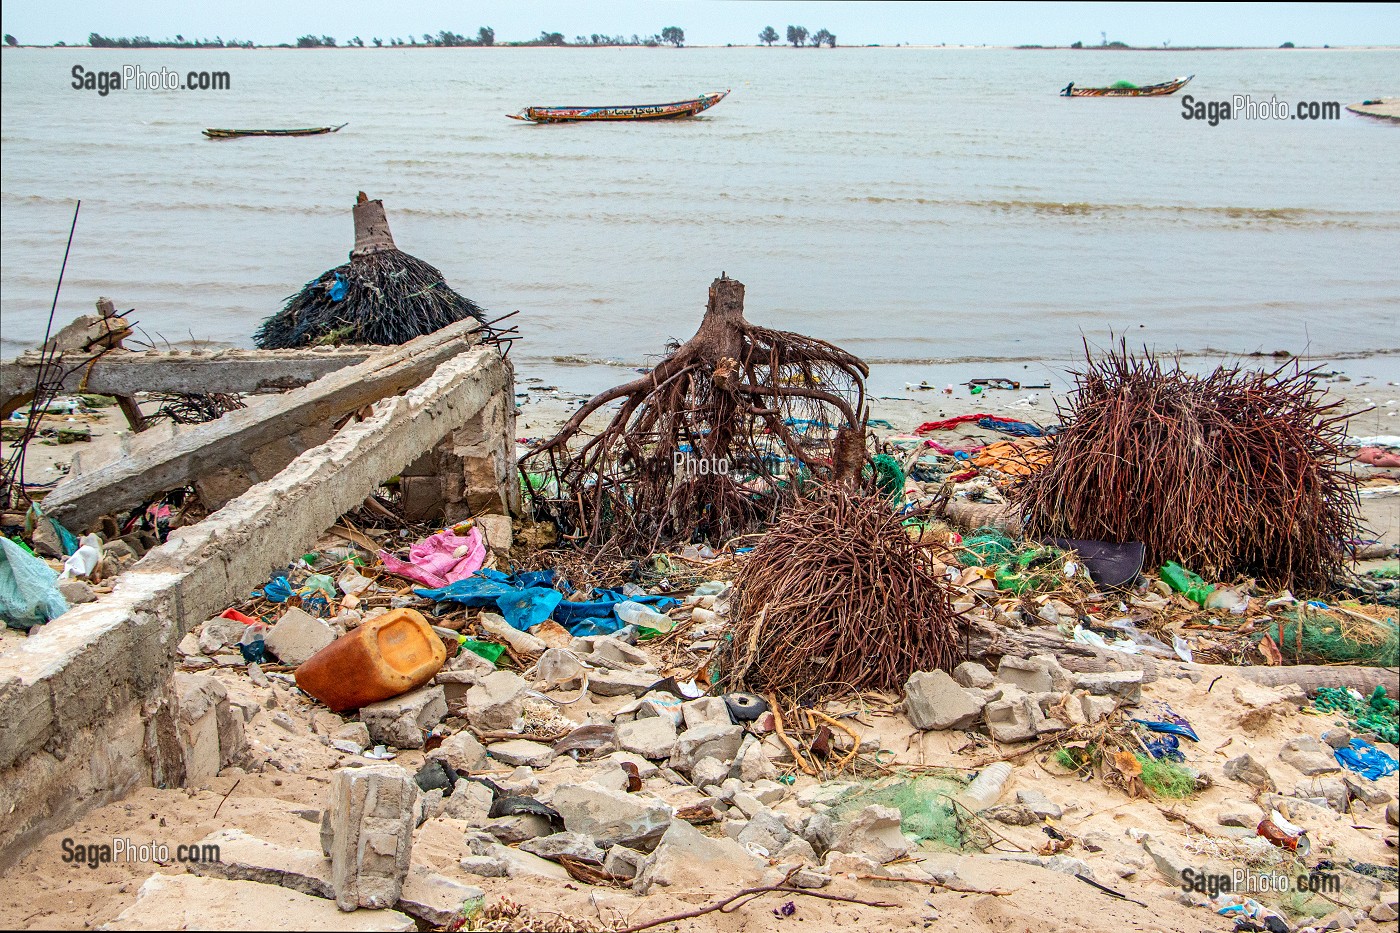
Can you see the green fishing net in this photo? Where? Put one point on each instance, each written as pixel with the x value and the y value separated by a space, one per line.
pixel 1330 638
pixel 986 547
pixel 889 475
pixel 925 807
pixel 1376 714
pixel 1123 85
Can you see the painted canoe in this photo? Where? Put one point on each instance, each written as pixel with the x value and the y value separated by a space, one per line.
pixel 1146 90
pixel 672 111
pixel 307 131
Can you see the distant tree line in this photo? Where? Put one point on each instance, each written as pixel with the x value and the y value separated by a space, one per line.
pixel 98 41
pixel 798 36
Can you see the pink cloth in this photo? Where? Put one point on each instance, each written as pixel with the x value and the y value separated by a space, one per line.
pixel 434 562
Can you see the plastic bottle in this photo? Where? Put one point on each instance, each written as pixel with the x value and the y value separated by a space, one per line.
pixel 643 616
pixel 390 654
pixel 1187 583
pixel 986 787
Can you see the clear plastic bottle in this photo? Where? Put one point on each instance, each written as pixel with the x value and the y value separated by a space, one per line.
pixel 642 616
pixel 986 787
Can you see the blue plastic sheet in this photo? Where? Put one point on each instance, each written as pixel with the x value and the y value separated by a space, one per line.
pixel 1165 746
pixel 1366 760
pixel 338 288
pixel 1170 723
pixel 524 601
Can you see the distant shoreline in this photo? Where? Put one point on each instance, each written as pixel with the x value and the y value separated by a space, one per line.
pixel 775 49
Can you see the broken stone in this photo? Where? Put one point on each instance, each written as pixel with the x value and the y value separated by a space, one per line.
pixel 845 863
pixel 874 832
pixel 1013 719
pixel 558 845
pixel 706 710
pixel 820 831
pixel 190 902
pixel 1030 676
pixel 1309 756
pixel 517 752
pixel 1248 770
pixel 620 683
pixel 1096 708
pixel 368 833
pixel 653 737
pixel 706 741
pixel 1240 813
pixel 765 834
pixel 611 817
pixel 933 700
pixel 709 772
pixel 1126 685
pixel 435 899
pixel 753 765
pixel 607 651
pixel 623 862
pixel 973 674
pixel 1011 815
pixel 1337 738
pixel 1333 790
pixel 1366 790
pixel 468 662
pixel 297 636
pixel 218 632
pixel 470 801
pixel 1172 862
pixel 1039 805
pixel 403 721
pixel 684 854
pixel 355 733
pixel 494 704
pixel 246 858
pixel 796 851
pixel 484 866
pixel 189 645
pixel 76 592
pixel 463 752
pixel 1061 680
pixel 510 830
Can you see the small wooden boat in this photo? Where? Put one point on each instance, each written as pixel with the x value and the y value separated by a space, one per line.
pixel 1123 89
pixel 672 111
pixel 238 134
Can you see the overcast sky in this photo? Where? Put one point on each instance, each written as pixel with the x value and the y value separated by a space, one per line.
pixel 715 22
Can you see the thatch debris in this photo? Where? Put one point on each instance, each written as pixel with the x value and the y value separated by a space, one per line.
pixel 712 442
pixel 381 296
pixel 1233 473
pixel 838 598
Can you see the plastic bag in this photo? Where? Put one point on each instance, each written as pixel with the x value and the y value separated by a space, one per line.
pixel 524 609
pixel 1366 760
pixel 439 559
pixel 29 592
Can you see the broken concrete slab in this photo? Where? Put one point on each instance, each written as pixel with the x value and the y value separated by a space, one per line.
pixel 610 817
pixel 247 858
pixel 463 752
pixel 934 700
pixel 296 636
pixel 517 752
pixel 1126 685
pixel 1249 770
pixel 558 845
pixel 297 421
pixel 405 720
pixel 495 703
pixel 191 902
pixel 706 741
pixel 1309 756
pixel 874 832
pixel 368 833
pixel 435 899
pixel 686 854
pixel 1030 676
pixel 653 737
pixel 973 674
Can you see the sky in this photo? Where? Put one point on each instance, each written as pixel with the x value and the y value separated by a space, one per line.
pixel 717 22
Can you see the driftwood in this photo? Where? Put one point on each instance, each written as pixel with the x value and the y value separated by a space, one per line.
pixel 985 640
pixel 971 516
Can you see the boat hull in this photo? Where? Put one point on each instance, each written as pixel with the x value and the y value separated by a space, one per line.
pixel 677 110
pixel 1149 90
pixel 214 133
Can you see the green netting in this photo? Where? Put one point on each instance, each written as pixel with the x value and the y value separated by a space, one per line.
pixel 1335 639
pixel 1124 85
pixel 889 475
pixel 925 805
pixel 986 547
pixel 1376 714
pixel 1033 569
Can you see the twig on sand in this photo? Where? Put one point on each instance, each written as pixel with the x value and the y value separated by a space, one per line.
pixel 724 906
pixel 961 889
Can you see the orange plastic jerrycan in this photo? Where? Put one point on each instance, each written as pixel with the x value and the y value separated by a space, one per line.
pixel 386 656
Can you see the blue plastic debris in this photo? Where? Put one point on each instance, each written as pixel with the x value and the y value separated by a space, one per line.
pixel 1365 759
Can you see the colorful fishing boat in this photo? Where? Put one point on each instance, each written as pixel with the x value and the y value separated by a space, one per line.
pixel 672 111
pixel 307 131
pixel 1125 89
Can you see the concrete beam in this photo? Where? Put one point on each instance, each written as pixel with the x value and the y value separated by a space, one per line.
pixel 256 442
pixel 78 697
pixel 127 372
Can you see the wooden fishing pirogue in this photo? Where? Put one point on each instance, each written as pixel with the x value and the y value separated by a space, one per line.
pixel 307 131
pixel 1146 90
pixel 672 111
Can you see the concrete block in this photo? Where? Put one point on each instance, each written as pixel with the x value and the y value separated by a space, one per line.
pixel 298 635
pixel 370 823
pixel 403 721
